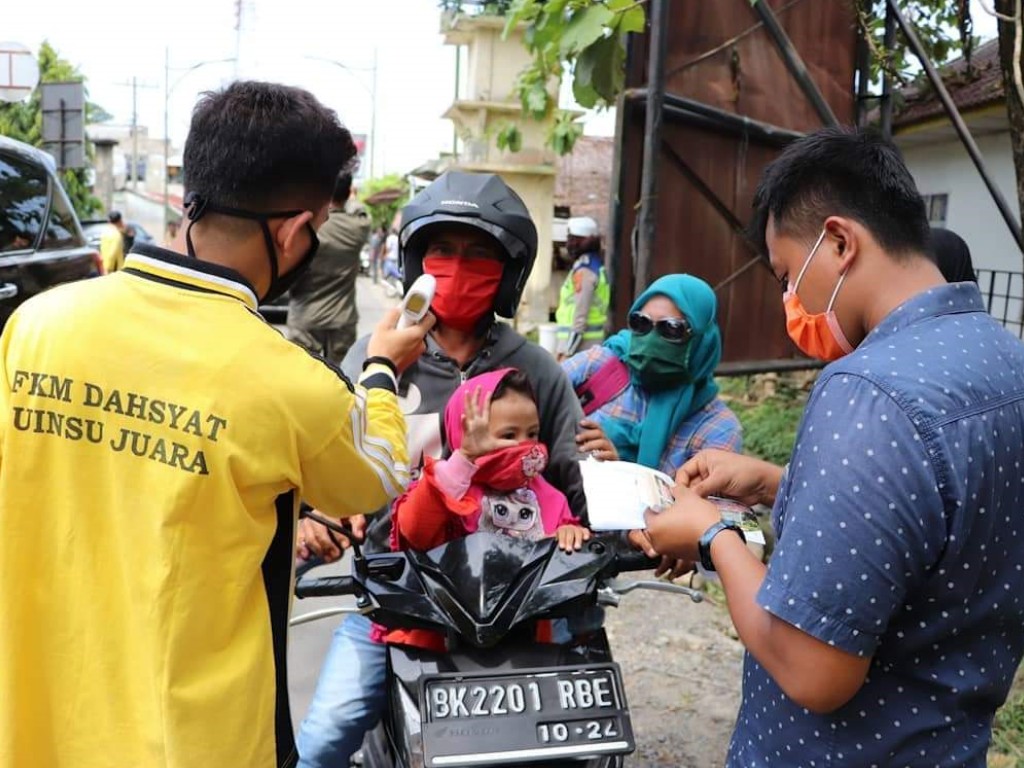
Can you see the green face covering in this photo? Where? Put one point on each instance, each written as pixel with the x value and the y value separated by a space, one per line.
pixel 658 363
pixel 678 379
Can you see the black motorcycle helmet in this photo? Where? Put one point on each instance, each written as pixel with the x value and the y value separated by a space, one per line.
pixel 481 200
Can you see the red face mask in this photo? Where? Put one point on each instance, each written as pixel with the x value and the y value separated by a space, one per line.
pixel 511 468
pixel 465 289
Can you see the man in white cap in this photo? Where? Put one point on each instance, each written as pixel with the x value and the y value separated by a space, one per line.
pixel 585 297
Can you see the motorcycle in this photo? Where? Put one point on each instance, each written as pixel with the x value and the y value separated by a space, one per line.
pixel 496 697
pixel 392 277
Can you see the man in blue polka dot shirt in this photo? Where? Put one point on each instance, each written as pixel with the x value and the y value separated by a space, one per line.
pixel 888 626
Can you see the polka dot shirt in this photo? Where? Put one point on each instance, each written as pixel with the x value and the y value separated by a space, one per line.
pixel 900 526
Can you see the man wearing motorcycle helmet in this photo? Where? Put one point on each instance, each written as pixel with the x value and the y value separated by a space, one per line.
pixel 473 233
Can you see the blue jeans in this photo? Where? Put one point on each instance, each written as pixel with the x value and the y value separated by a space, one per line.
pixel 350 697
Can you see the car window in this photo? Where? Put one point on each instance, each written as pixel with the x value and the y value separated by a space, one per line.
pixel 23 196
pixel 60 229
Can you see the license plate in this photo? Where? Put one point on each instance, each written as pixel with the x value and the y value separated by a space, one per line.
pixel 526 716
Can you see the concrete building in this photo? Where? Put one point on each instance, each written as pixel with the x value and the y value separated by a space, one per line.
pixel 150 157
pixel 485 104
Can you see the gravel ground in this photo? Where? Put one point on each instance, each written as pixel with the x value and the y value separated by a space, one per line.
pixel 681 663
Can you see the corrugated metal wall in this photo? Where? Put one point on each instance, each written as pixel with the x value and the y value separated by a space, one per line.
pixel 746 76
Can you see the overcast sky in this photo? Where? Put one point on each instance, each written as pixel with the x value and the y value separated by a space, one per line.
pixel 112 41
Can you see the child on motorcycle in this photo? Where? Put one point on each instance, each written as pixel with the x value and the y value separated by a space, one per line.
pixel 492 481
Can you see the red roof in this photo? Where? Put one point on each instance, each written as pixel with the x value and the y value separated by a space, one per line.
pixel 979 87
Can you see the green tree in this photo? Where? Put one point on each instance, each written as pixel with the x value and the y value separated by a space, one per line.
pixel 24 122
pixel 1011 56
pixel 384 198
pixel 944 26
pixel 586 38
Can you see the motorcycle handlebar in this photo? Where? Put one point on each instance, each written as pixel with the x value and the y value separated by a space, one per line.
pixel 634 560
pixel 626 559
pixel 327 586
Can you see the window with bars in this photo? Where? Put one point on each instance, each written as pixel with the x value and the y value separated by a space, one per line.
pixel 1003 291
pixel 936 207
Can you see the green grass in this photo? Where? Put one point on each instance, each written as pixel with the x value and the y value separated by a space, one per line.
pixel 769 419
pixel 1007 750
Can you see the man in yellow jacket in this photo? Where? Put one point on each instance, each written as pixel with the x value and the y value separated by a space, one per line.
pixel 112 243
pixel 151 469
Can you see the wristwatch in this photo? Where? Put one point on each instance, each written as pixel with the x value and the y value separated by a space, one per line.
pixel 704 545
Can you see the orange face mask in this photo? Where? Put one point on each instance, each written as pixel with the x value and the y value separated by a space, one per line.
pixel 819 336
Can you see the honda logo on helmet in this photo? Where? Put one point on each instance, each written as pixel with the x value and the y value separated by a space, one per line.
pixel 460 202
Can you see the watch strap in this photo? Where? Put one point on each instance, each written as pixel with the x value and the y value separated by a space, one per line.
pixel 704 545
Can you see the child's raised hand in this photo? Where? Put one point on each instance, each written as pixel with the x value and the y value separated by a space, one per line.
pixel 477 440
pixel 572 537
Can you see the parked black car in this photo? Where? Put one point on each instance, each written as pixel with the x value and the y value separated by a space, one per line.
pixel 93 229
pixel 41 241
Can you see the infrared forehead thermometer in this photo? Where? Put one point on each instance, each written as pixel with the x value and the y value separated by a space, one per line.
pixel 417 300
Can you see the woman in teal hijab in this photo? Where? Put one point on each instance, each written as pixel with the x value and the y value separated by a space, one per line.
pixel 670 409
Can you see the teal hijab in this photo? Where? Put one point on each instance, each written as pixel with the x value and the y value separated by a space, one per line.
pixel 668 408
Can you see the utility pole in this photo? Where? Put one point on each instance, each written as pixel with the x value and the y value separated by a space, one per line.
pixel 135 85
pixel 239 12
pixel 167 132
pixel 373 116
pixel 135 134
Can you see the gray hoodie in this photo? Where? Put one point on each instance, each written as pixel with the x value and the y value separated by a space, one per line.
pixel 426 386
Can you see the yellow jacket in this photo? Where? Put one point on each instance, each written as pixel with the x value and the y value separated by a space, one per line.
pixel 112 249
pixel 150 473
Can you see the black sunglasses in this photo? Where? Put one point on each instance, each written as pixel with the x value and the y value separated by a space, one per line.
pixel 675 329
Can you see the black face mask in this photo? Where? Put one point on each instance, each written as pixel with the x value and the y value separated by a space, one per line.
pixel 196 206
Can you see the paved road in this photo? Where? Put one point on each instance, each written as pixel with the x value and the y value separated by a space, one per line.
pixel 308 643
pixel 146 212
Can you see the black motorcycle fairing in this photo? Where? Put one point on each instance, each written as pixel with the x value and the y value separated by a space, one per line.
pixel 569 581
pixel 482 586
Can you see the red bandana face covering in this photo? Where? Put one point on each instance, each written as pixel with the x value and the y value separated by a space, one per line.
pixel 465 289
pixel 511 468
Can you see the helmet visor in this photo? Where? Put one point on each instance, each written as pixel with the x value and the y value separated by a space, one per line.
pixel 514 248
